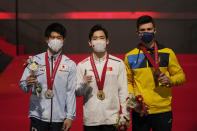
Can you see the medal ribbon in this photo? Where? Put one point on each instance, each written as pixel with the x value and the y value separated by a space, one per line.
pixel 156 62
pixel 100 83
pixel 51 78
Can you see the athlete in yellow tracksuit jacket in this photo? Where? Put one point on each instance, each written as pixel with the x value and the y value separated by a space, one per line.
pixel 153 84
pixel 140 71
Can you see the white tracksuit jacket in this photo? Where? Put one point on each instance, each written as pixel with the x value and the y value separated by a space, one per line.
pixel 64 100
pixel 103 112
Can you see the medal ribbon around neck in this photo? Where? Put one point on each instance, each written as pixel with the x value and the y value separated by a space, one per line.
pixel 155 62
pixel 100 83
pixel 51 78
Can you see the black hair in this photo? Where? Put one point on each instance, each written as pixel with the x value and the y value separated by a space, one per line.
pixel 144 20
pixel 55 27
pixel 96 28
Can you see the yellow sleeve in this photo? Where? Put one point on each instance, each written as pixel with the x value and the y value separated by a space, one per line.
pixel 176 72
pixel 129 75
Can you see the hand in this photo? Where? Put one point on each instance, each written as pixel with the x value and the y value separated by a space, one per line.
pixel 66 125
pixel 139 109
pixel 87 78
pixel 31 80
pixel 123 119
pixel 123 122
pixel 163 79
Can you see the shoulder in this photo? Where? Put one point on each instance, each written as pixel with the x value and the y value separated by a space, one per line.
pixel 163 49
pixel 116 61
pixel 84 61
pixel 114 58
pixel 132 52
pixel 67 59
pixel 39 57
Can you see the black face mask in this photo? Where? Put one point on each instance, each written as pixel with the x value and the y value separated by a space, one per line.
pixel 146 37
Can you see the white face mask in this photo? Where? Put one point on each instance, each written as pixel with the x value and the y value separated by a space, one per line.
pixel 55 44
pixel 99 45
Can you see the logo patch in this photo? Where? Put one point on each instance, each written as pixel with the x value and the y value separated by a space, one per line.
pixel 109 68
pixel 62 67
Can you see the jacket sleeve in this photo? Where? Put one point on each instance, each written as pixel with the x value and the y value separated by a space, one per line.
pixel 123 89
pixel 23 84
pixel 176 72
pixel 129 76
pixel 71 99
pixel 81 84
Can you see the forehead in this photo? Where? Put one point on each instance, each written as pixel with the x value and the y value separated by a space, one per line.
pixel 147 25
pixel 98 33
pixel 55 34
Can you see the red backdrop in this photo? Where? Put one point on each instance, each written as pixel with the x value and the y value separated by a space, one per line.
pixel 14 103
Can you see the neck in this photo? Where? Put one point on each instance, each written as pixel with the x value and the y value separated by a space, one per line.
pixel 99 54
pixel 149 45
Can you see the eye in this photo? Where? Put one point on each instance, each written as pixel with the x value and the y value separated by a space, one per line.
pixel 52 37
pixel 142 30
pixel 94 38
pixel 60 37
pixel 149 29
pixel 57 37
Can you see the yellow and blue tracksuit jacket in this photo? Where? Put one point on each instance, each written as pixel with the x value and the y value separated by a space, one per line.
pixel 141 81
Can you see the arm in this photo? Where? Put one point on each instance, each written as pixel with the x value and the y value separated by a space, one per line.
pixel 82 81
pixel 123 89
pixel 27 82
pixel 129 76
pixel 177 75
pixel 71 99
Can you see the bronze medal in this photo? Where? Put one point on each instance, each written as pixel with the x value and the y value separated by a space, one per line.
pixel 101 95
pixel 50 78
pixel 49 94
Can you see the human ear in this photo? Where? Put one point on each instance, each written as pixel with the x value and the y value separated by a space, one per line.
pixel 107 41
pixel 89 42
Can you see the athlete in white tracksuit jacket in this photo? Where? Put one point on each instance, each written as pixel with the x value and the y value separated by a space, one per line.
pixel 101 113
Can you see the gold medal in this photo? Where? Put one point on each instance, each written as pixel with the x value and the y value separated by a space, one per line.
pixel 49 94
pixel 101 95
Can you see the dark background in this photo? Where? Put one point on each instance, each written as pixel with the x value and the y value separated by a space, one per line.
pixel 180 34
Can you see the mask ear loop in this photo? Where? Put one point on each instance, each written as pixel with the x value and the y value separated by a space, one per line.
pixel 140 35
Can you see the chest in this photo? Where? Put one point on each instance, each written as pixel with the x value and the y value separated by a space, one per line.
pixel 139 61
pixel 111 70
pixel 60 74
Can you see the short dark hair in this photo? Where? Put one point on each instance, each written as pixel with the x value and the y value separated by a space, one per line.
pixel 144 19
pixel 55 27
pixel 96 28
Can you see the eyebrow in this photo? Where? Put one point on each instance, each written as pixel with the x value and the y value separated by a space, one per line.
pixel 98 36
pixel 146 28
pixel 56 36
